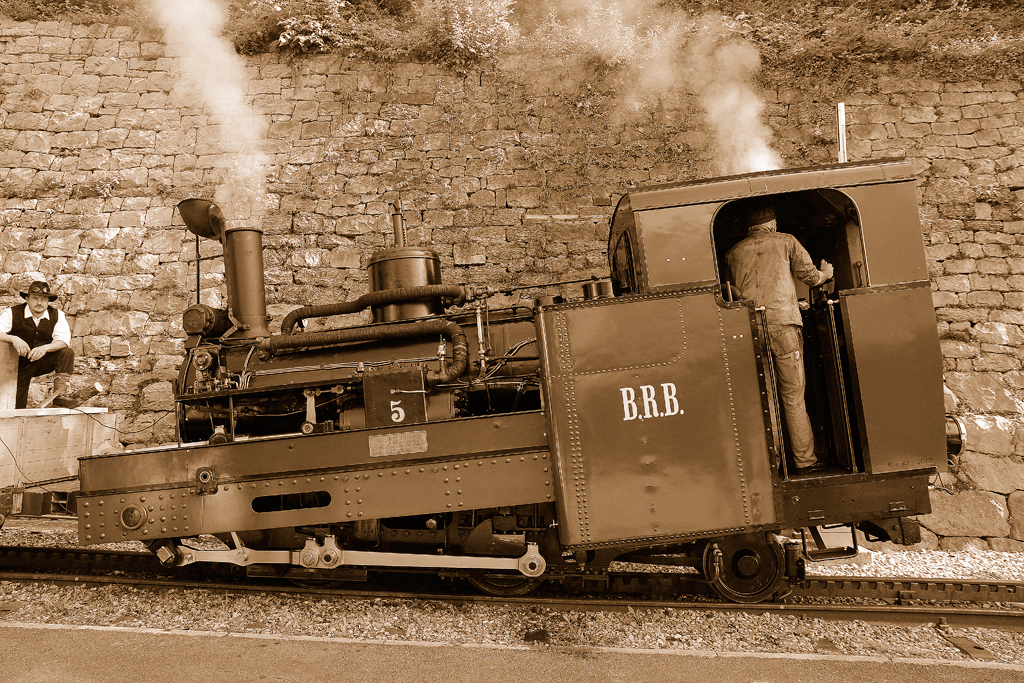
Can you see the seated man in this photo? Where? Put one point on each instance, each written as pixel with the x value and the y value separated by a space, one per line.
pixel 41 336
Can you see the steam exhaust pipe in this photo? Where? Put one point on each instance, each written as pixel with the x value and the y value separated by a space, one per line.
pixel 243 265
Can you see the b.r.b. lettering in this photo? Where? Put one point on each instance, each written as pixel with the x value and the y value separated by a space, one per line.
pixel 648 406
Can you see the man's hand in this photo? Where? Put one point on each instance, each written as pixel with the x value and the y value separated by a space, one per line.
pixel 827 270
pixel 20 346
pixel 36 353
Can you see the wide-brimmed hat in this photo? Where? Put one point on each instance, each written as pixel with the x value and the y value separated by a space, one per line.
pixel 41 288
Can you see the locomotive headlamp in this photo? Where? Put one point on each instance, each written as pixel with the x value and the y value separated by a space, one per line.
pixel 202 218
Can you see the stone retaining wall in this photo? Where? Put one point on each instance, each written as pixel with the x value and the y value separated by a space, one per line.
pixel 100 136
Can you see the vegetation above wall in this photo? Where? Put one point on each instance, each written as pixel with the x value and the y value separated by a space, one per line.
pixel 937 38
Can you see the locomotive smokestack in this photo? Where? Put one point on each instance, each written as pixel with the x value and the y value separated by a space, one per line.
pixel 243 265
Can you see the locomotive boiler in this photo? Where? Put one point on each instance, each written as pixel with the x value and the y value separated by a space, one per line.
pixel 511 446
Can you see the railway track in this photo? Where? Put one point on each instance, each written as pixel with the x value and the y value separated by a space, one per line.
pixel 954 603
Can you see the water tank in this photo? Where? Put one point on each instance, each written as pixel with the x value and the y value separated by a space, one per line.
pixel 400 268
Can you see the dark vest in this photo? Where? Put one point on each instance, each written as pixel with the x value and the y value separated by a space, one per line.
pixel 25 328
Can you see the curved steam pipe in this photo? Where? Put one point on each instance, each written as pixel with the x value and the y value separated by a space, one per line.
pixel 460 350
pixel 379 298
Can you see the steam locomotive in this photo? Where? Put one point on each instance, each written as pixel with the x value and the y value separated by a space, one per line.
pixel 638 420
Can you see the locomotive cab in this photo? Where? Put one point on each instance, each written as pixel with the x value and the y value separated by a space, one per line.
pixel 871 352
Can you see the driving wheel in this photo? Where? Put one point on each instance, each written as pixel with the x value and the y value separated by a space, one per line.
pixel 751 568
pixel 503 585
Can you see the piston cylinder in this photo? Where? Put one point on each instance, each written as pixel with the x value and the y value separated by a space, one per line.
pixel 402 268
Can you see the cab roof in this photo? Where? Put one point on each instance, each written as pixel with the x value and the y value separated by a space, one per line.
pixel 768 182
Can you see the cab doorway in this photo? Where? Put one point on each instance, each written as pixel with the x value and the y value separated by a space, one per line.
pixel 827 224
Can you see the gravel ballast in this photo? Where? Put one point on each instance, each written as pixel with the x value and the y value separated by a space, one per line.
pixel 432 621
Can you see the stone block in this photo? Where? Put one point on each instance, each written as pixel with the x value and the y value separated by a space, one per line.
pixel 914 115
pixel 524 197
pixel 988 138
pixel 418 98
pixel 1012 178
pixel 985 299
pixel 63 244
pixel 170 276
pixel 960 266
pixel 82 84
pixel 482 198
pixel 106 66
pixel 307 258
pixel 949 191
pixel 998 333
pixel 469 253
pixel 362 185
pixel 967 513
pixel 997 474
pixel 1015 504
pixel 982 392
pixel 950 168
pixel 94 346
pixel 974 111
pixel 992 434
pixel 874 114
pixel 157 396
pixel 953 283
pixel 345 257
pixel 1005 545
pixel 959 544
pixel 22 262
pixel 99 238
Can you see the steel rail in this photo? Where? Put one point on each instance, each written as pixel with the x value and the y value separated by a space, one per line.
pixel 951 617
pixel 902 601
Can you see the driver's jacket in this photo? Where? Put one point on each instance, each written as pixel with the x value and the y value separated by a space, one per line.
pixel 763 266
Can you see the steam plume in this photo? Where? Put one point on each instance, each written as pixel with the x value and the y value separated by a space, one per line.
pixel 663 56
pixel 193 34
pixel 723 79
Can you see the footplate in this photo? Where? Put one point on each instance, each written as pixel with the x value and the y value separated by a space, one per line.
pixel 822 552
pixel 319 479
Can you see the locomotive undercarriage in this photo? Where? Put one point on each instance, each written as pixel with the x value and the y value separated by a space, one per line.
pixel 748 567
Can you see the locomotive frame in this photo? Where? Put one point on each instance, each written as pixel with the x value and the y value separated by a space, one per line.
pixel 522 444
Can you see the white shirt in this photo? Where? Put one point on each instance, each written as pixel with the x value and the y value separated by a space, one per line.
pixel 61 330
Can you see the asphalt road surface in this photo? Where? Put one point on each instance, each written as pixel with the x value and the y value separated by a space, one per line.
pixel 61 654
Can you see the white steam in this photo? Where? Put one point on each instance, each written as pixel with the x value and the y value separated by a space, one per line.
pixel 724 81
pixel 663 56
pixel 193 32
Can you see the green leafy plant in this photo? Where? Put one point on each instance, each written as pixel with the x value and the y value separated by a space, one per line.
pixel 463 32
pixel 85 11
pixel 939 36
pixel 359 26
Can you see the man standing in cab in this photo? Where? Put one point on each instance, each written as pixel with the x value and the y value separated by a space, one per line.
pixel 763 266
pixel 42 338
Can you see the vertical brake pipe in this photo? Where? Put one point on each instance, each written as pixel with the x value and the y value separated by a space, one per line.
pixel 198 280
pixel 480 338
